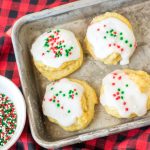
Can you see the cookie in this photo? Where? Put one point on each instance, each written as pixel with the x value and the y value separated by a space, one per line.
pixel 57 53
pixel 110 39
pixel 69 103
pixel 126 93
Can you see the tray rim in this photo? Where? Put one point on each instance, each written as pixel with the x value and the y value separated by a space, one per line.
pixel 17 47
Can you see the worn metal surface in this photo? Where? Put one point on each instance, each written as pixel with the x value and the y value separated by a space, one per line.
pixel 76 17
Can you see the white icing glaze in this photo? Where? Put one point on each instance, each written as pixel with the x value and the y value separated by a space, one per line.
pixel 133 100
pixel 103 43
pixel 51 109
pixel 39 51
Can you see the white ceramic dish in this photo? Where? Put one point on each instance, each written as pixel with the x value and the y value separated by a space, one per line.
pixel 11 90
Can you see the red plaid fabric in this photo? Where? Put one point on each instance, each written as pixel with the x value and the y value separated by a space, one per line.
pixel 10 10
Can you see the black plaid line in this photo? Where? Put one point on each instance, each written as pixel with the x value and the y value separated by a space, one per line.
pixel 9 74
pixel 33 2
pixel 41 148
pixel 144 128
pixel 13 14
pixel 65 0
pixel 78 146
pixel 50 2
pixel 148 138
pixel 120 138
pixel 11 57
pixel 28 13
pixel 130 148
pixel 2 40
pixel 6 28
pixel 31 146
pixel 19 146
pixel 16 0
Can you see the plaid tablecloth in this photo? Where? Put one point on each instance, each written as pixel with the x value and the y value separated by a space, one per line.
pixel 10 10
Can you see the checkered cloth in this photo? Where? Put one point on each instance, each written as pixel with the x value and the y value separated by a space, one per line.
pixel 10 10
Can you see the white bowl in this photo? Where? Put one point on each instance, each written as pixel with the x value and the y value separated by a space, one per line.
pixel 11 90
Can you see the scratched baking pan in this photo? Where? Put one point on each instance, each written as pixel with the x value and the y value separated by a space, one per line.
pixel 76 17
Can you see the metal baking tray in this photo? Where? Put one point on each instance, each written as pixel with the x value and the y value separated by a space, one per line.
pixel 76 17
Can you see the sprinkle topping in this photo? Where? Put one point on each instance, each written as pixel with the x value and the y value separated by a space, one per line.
pixel 8 119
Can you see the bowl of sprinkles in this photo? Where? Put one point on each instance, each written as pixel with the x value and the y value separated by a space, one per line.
pixel 12 113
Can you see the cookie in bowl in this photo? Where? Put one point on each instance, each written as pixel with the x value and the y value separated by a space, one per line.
pixel 126 93
pixel 110 39
pixel 69 103
pixel 57 53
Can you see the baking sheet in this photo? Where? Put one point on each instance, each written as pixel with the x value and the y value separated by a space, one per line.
pixel 46 133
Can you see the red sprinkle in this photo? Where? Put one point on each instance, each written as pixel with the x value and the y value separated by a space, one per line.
pixel 126 109
pixel 124 103
pixel 57 101
pixel 50 99
pixel 115 32
pixel 117 93
pixel 114 44
pixel 104 25
pixel 109 45
pixel 119 78
pixel 62 107
pixel 98 29
pixel 114 95
pixel 117 98
pixel 122 49
pixel 75 89
pixel 43 54
pixel 118 46
pixel 113 83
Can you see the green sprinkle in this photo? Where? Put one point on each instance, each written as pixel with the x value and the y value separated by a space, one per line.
pixel 70 91
pixel 53 100
pixel 57 94
pixel 121 97
pixel 64 95
pixel 52 88
pixel 58 105
pixel 60 91
pixel 130 45
pixel 107 32
pixel 122 92
pixel 58 30
pixel 111 34
pixel 52 36
pixel 111 30
pixel 121 33
pixel 126 41
pixel 127 85
pixel 121 38
pixel 118 89
pixel 104 37
pixel 76 93
pixel 69 111
pixel 46 45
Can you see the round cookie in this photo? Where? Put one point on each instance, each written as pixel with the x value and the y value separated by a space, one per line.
pixel 57 53
pixel 69 103
pixel 110 39
pixel 126 93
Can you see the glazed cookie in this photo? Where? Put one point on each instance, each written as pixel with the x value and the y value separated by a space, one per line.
pixel 69 103
pixel 110 39
pixel 57 53
pixel 126 93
